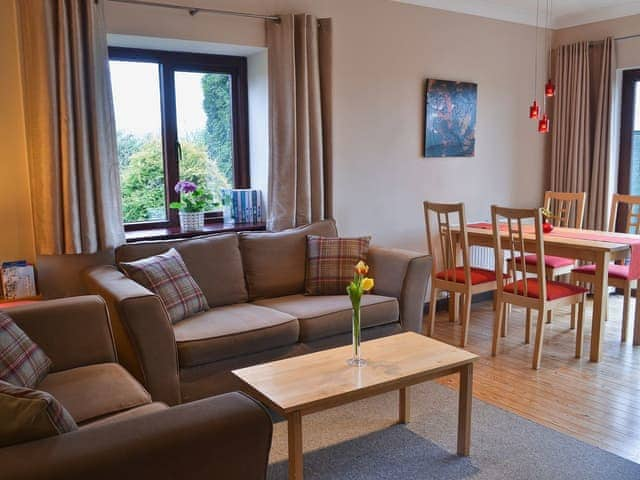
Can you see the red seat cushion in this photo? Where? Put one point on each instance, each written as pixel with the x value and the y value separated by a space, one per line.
pixel 549 261
pixel 616 271
pixel 478 275
pixel 555 290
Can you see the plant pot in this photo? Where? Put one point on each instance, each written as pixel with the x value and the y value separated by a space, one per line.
pixel 191 221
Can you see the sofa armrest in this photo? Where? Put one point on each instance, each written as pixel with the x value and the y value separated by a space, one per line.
pixel 73 331
pixel 402 274
pixel 228 436
pixel 143 332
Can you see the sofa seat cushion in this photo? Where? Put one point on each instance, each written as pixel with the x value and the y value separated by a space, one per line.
pixel 128 414
pixel 95 391
pixel 327 315
pixel 231 331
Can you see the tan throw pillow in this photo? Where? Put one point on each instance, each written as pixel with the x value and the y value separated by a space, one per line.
pixel 22 361
pixel 330 263
pixel 167 276
pixel 27 414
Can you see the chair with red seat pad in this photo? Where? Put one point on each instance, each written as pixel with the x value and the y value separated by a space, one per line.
pixel 619 275
pixel 447 275
pixel 531 293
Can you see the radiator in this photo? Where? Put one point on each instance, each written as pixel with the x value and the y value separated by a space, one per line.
pixel 482 257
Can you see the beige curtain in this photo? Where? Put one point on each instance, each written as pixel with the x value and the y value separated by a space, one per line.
pixel 70 127
pixel 581 129
pixel 300 121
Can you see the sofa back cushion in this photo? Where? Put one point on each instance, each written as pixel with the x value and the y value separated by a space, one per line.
pixel 214 262
pixel 27 414
pixel 274 262
pixel 22 361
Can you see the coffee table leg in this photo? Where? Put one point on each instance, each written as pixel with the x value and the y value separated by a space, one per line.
pixel 294 427
pixel 405 405
pixel 464 409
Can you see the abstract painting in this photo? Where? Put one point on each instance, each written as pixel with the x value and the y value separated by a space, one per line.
pixel 450 119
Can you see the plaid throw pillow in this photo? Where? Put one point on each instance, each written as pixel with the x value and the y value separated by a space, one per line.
pixel 330 263
pixel 22 361
pixel 27 414
pixel 167 276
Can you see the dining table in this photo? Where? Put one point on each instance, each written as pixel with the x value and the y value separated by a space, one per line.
pixel 591 246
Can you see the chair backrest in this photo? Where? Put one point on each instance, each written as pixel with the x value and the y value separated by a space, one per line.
pixel 510 227
pixel 567 208
pixel 439 218
pixel 631 205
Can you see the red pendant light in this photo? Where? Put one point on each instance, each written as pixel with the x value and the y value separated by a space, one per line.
pixel 534 110
pixel 544 124
pixel 549 89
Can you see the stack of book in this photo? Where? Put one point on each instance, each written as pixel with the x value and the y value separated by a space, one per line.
pixel 242 205
pixel 18 280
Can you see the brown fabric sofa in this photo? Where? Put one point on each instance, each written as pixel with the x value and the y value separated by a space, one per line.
pixel 254 284
pixel 122 433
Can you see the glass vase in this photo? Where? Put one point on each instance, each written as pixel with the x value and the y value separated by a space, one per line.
pixel 356 360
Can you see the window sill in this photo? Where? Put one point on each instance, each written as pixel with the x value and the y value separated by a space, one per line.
pixel 175 232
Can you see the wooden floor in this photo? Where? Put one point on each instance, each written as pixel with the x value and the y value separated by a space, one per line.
pixel 598 403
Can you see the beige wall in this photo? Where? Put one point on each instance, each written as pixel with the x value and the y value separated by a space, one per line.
pixel 627 51
pixel 383 52
pixel 16 231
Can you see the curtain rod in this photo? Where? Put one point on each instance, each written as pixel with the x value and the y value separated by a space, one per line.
pixel 617 39
pixel 195 10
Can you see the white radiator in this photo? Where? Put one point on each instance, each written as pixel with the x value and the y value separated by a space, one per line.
pixel 482 257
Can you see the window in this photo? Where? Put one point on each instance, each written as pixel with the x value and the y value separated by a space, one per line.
pixel 179 116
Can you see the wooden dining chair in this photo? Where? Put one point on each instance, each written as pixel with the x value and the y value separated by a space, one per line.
pixel 567 210
pixel 447 275
pixel 618 274
pixel 537 293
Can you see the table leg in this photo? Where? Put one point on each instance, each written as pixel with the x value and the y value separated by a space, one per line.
pixel 294 427
pixel 405 405
pixel 464 409
pixel 600 294
pixel 636 322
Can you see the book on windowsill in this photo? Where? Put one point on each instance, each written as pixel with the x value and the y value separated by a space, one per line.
pixel 18 280
pixel 242 205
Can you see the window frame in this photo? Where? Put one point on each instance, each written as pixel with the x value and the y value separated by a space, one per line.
pixel 629 79
pixel 170 62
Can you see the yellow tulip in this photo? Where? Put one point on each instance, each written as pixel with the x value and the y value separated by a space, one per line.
pixel 362 268
pixel 367 284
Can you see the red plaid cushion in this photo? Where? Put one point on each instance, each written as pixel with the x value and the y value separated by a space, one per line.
pixel 167 276
pixel 22 361
pixel 31 415
pixel 330 263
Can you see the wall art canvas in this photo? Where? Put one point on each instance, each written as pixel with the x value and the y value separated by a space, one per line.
pixel 450 119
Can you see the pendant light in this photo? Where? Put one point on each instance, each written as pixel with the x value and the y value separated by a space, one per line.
pixel 549 88
pixel 534 109
pixel 544 124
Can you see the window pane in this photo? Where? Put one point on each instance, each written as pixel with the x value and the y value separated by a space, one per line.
pixel 205 132
pixel 136 99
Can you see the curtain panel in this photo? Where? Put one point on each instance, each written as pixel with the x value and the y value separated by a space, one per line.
pixel 300 91
pixel 71 140
pixel 580 145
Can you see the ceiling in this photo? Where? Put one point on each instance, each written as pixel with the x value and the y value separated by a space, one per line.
pixel 565 13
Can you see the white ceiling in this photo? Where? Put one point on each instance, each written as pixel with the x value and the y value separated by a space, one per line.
pixel 565 13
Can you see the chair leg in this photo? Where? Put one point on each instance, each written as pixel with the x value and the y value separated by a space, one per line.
pixel 550 277
pixel 453 306
pixel 580 331
pixel 465 316
pixel 505 320
pixel 497 327
pixel 495 300
pixel 573 317
pixel 537 351
pixel 527 327
pixel 549 316
pixel 429 330
pixel 625 312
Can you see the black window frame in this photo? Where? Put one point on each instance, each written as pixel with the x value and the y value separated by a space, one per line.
pixel 170 62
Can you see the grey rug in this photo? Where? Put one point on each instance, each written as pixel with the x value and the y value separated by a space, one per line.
pixel 361 441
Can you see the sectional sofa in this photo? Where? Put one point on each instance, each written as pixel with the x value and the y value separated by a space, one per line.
pixel 254 285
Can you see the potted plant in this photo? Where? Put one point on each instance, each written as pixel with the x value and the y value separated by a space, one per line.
pixel 192 205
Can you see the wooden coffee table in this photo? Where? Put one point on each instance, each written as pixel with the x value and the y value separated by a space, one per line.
pixel 318 381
